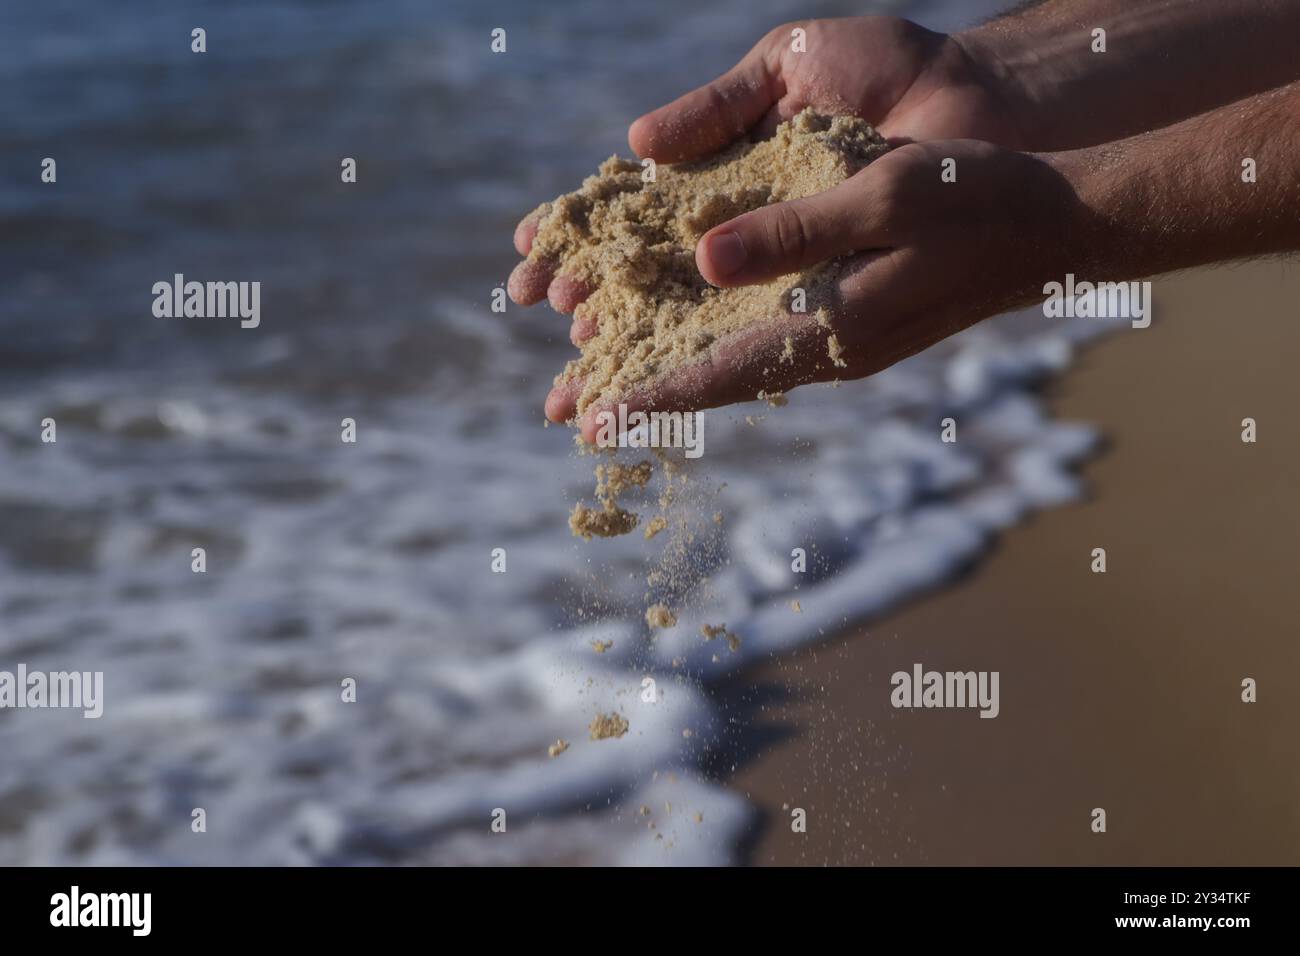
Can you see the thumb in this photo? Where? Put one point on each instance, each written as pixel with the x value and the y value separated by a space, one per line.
pixel 705 120
pixel 790 236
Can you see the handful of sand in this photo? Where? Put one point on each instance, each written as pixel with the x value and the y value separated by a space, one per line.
pixel 632 237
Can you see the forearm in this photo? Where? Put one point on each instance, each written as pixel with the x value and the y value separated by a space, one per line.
pixel 1165 60
pixel 1178 197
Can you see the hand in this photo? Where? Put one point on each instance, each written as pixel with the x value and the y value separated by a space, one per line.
pixel 911 83
pixel 908 82
pixel 941 256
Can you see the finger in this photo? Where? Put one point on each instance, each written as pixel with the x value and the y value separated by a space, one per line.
pixel 902 308
pixel 584 327
pixel 786 237
pixel 562 402
pixel 530 280
pixel 567 293
pixel 526 231
pixel 706 119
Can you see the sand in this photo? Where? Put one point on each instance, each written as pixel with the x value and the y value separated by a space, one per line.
pixel 674 575
pixel 634 241
pixel 711 631
pixel 605 726
pixel 609 519
pixel 1119 690
pixel 660 616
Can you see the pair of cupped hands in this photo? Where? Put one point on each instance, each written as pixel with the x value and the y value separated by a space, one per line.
pixel 928 257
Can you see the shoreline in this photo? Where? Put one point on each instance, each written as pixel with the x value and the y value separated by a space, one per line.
pixel 1119 690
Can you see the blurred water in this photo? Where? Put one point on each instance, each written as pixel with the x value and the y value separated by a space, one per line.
pixel 370 561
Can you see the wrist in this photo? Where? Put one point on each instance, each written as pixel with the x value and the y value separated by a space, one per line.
pixel 1103 224
pixel 1014 76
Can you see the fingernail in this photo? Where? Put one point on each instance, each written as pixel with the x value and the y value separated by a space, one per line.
pixel 726 252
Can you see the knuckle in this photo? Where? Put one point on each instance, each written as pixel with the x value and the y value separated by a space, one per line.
pixel 779 34
pixel 791 231
pixel 723 107
pixel 902 185
pixel 889 198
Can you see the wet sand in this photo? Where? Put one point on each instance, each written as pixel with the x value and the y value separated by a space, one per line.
pixel 1119 690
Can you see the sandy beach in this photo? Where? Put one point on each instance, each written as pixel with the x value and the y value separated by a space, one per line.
pixel 1119 690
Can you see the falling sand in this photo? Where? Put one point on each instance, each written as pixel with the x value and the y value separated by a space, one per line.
pixel 605 726
pixel 609 519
